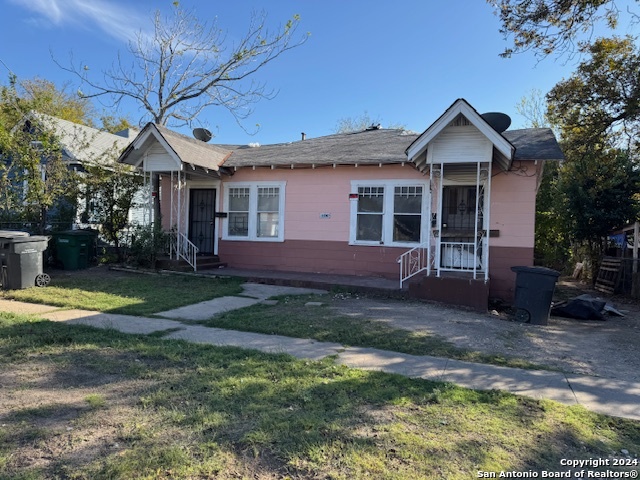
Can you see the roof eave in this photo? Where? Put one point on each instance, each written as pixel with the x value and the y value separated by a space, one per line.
pixel 293 165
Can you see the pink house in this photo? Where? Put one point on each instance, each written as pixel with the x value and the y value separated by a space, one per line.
pixel 447 212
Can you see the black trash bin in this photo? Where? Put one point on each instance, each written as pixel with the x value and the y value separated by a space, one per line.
pixel 534 292
pixel 21 260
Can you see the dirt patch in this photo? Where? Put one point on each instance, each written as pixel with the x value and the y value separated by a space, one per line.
pixel 47 418
pixel 588 347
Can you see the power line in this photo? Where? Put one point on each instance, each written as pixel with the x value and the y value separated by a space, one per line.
pixel 5 66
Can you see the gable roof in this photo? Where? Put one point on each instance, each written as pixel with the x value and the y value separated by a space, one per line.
pixel 368 147
pixel 504 149
pixel 81 143
pixel 183 149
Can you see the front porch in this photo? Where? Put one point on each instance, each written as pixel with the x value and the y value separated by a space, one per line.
pixel 180 193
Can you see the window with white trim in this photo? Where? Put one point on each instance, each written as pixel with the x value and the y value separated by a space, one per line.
pixel 388 213
pixel 238 212
pixel 370 213
pixel 255 211
pixel 407 213
pixel 268 211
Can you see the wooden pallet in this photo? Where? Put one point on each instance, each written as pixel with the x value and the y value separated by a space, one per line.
pixel 609 275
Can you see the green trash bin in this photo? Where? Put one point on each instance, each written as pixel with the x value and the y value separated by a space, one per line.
pixel 21 260
pixel 75 248
pixel 534 293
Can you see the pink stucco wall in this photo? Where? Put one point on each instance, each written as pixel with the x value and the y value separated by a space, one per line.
pixel 311 192
pixel 513 197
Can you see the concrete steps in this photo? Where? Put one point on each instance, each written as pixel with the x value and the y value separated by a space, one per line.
pixel 204 262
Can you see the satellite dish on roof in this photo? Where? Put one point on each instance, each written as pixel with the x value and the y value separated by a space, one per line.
pixel 499 121
pixel 202 134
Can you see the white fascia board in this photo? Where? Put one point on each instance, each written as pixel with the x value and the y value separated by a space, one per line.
pixel 459 107
pixel 168 148
pixel 141 141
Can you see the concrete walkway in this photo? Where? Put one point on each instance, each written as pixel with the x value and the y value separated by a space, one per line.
pixel 252 293
pixel 611 397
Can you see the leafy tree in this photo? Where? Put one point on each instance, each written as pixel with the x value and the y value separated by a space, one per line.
pixel 112 124
pixel 110 193
pixel 598 191
pixel 552 245
pixel 602 96
pixel 552 26
pixel 18 98
pixel 37 178
pixel 597 112
pixel 186 66
pixel 31 156
pixel 552 238
pixel 360 123
pixel 44 96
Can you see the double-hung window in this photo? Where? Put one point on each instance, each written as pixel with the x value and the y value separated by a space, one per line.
pixel 407 213
pixel 238 208
pixel 388 213
pixel 254 211
pixel 370 214
pixel 268 212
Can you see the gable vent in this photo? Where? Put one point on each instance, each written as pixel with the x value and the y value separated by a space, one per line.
pixel 460 121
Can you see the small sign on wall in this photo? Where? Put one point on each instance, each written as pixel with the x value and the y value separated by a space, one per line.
pixel 325 216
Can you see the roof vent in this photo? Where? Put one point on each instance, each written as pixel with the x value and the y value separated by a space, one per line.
pixel 499 121
pixel 373 126
pixel 202 134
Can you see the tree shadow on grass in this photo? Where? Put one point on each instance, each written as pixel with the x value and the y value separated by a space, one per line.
pixel 132 294
pixel 204 409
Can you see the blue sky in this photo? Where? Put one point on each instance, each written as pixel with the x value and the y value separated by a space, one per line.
pixel 403 62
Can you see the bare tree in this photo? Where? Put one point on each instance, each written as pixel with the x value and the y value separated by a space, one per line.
pixel 360 123
pixel 187 65
pixel 533 108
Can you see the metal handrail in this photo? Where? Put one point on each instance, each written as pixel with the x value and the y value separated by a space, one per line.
pixel 413 262
pixel 185 249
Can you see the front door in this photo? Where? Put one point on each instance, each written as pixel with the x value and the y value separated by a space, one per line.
pixel 202 209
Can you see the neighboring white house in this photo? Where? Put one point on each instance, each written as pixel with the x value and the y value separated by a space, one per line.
pixel 83 146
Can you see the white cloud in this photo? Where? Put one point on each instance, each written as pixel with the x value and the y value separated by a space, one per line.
pixel 115 20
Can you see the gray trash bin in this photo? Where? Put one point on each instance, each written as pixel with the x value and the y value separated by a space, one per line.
pixel 534 293
pixel 21 260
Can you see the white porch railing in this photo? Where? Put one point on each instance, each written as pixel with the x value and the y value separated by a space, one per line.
pixel 183 248
pixel 413 262
pixel 459 256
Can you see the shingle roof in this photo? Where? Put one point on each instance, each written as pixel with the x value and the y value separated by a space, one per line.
pixel 534 144
pixel 194 151
pixel 386 146
pixel 376 146
pixel 82 143
pixel 366 147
